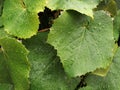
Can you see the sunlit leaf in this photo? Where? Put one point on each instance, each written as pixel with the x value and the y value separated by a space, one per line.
pixel 18 21
pixel 82 6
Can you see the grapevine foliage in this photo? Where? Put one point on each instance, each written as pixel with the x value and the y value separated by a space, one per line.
pixel 59 44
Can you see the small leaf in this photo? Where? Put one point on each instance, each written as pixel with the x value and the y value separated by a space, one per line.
pixel 15 62
pixel 83 43
pixel 46 70
pixel 82 6
pixel 19 22
pixel 103 71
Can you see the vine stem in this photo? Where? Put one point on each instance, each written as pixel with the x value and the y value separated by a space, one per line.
pixel 44 30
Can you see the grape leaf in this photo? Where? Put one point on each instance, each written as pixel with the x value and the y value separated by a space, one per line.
pixel 116 25
pixel 82 42
pixel 18 21
pixel 82 6
pixel 111 81
pixel 46 70
pixel 103 71
pixel 35 5
pixel 15 60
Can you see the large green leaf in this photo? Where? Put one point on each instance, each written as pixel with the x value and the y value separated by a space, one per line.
pixel 83 44
pixel 18 21
pixel 15 63
pixel 111 81
pixel 82 6
pixel 46 70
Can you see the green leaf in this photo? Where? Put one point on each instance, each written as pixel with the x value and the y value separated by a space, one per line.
pixel 111 81
pixel 103 71
pixel 4 76
pixel 46 70
pixel 116 25
pixel 82 44
pixel 15 59
pixel 35 5
pixel 19 22
pixel 6 87
pixel 82 6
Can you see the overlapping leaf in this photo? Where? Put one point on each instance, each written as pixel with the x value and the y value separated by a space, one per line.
pixel 18 21
pixel 110 82
pixel 82 6
pixel 14 65
pixel 109 6
pixel 46 70
pixel 35 5
pixel 83 44
pixel 116 26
